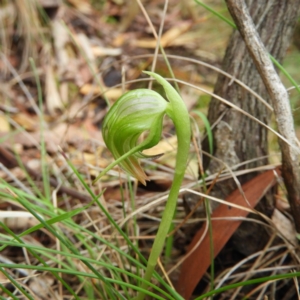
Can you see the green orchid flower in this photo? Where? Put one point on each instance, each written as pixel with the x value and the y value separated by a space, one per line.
pixel 136 112
pixel 142 111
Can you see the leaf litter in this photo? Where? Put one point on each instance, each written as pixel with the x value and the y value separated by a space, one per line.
pixel 85 54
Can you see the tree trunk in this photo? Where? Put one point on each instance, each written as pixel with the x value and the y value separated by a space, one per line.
pixel 237 138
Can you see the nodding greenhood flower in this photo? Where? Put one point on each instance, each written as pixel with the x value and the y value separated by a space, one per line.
pixel 136 112
pixel 142 111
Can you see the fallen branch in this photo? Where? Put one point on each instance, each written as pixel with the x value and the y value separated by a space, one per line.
pixel 280 101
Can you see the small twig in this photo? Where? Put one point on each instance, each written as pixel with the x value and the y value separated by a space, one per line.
pixel 280 101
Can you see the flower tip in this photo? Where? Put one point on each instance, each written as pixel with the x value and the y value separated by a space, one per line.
pixel 143 182
pixel 140 175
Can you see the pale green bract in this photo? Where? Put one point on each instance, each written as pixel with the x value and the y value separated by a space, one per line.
pixel 136 112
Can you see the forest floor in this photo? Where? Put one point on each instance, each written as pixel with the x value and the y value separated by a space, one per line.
pixel 62 65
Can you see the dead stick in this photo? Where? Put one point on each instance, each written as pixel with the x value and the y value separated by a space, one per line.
pixel 280 101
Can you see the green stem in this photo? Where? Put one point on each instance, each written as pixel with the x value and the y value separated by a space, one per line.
pixel 169 241
pixel 177 111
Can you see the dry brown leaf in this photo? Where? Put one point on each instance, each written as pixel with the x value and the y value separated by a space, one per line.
pixel 168 147
pixel 49 3
pixel 84 42
pixel 41 286
pixel 167 39
pixel 28 122
pixel 284 226
pixel 4 124
pixel 172 34
pixel 112 93
pixel 3 279
pixel 32 139
pixel 83 6
pixel 190 97
pixel 79 158
pixel 53 100
pixel 282 204
pixel 16 220
pixel 60 39
pixel 190 38
pixel 16 172
pixel 164 146
pixel 196 264
pixel 121 39
pixel 66 67
pixel 103 51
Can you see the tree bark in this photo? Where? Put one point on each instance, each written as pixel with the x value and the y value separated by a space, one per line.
pixel 280 101
pixel 238 139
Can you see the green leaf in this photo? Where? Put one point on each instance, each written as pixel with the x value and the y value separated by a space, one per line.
pixel 57 219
